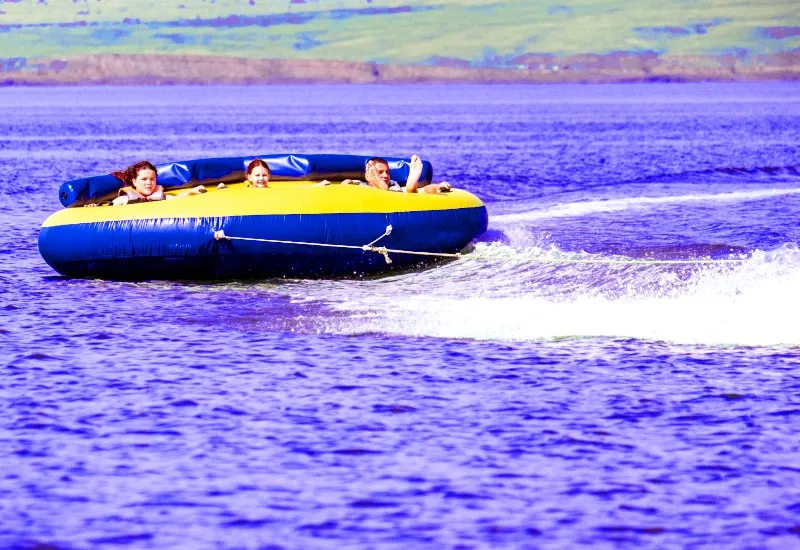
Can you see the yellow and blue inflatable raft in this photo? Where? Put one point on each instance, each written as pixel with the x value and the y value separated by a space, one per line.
pixel 293 228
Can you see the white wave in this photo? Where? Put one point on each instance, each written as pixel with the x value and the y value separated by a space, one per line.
pixel 578 209
pixel 745 305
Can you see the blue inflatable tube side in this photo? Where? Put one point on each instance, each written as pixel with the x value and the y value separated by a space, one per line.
pixel 184 248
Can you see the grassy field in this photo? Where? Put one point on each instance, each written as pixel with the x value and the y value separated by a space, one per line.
pixel 483 33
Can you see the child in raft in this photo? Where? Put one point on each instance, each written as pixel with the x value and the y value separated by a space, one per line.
pixel 258 174
pixel 141 185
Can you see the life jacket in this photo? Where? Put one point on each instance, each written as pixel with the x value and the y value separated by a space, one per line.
pixel 133 195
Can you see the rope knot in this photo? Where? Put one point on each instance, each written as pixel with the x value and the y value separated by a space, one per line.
pixel 382 251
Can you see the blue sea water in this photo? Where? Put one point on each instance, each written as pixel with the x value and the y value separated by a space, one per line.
pixel 510 399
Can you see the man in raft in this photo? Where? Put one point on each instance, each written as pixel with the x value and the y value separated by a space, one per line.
pixel 378 175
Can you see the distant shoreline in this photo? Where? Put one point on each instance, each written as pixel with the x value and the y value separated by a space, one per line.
pixel 617 67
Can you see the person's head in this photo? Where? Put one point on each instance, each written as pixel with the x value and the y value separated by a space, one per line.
pixel 258 173
pixel 379 168
pixel 142 176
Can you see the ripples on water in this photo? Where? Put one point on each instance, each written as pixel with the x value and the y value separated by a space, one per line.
pixel 501 400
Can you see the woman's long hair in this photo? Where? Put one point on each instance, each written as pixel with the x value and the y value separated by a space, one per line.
pixel 129 174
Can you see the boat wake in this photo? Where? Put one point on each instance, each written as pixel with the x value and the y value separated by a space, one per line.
pixel 577 209
pixel 498 292
pixel 523 285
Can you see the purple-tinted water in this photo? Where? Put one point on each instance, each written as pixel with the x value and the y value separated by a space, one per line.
pixel 506 400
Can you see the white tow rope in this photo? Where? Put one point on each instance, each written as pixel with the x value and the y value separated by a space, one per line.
pixel 370 247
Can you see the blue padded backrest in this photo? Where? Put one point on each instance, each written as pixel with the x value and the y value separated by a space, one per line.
pixel 177 175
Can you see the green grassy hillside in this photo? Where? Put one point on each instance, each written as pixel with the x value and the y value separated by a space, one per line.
pixel 484 33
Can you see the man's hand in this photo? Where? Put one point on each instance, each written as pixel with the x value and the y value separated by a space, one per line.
pixel 371 177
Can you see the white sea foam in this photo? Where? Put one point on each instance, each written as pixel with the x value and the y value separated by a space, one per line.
pixel 748 304
pixel 527 289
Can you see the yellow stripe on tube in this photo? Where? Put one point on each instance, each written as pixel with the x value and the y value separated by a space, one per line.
pixel 279 199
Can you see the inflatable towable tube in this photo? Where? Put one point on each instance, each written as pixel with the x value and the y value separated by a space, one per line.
pixel 292 228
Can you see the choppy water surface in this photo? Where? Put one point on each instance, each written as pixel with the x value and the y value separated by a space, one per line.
pixel 503 400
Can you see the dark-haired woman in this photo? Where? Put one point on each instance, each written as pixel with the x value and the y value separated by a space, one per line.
pixel 141 185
